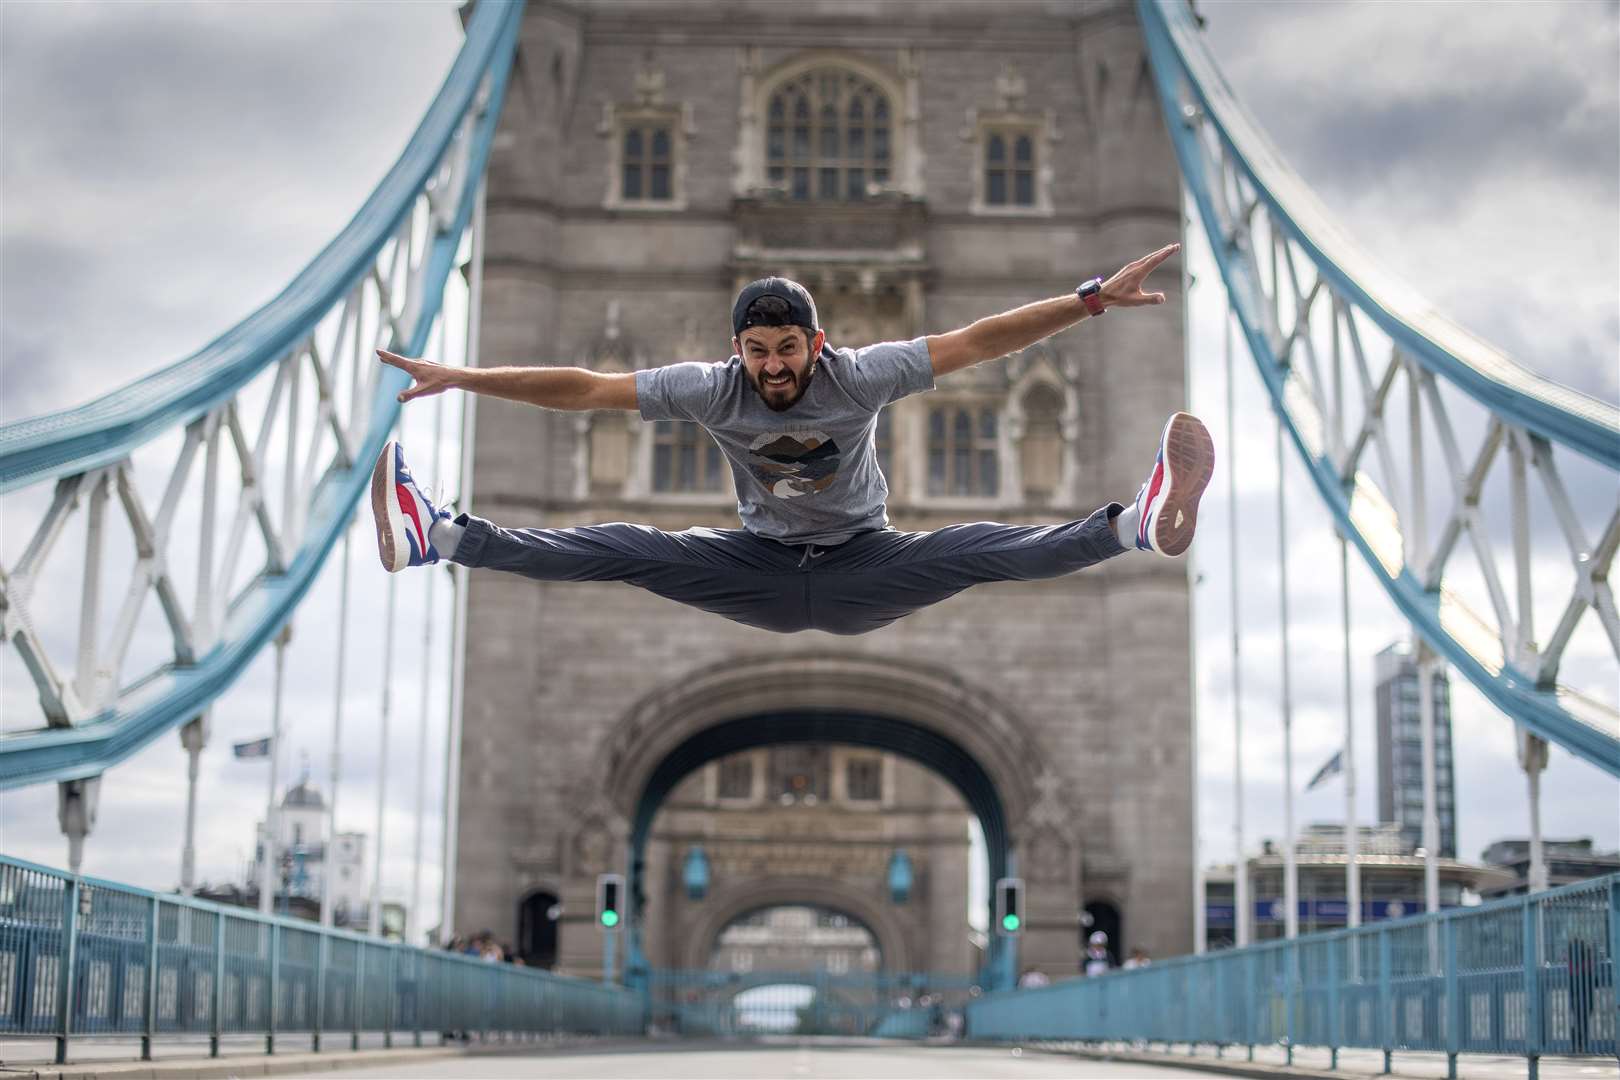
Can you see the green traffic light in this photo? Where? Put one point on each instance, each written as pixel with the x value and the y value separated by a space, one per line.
pixel 1009 922
pixel 610 918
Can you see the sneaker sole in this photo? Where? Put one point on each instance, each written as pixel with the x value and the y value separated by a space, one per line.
pixel 385 512
pixel 1189 462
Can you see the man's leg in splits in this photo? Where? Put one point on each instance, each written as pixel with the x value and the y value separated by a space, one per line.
pixel 879 577
pixel 729 572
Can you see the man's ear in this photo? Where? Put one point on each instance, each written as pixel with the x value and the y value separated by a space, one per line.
pixel 736 346
pixel 815 346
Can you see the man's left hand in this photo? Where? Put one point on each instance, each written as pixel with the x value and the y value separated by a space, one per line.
pixel 1124 289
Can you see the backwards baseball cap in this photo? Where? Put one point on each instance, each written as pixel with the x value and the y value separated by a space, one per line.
pixel 801 308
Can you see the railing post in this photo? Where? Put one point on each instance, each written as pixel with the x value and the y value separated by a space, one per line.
pixel 275 987
pixel 216 1023
pixel 358 998
pixel 1291 980
pixel 1613 1006
pixel 1532 987
pixel 418 980
pixel 149 1009
pixel 1335 1020
pixel 1249 1009
pixel 66 955
pixel 1386 1008
pixel 320 991
pixel 1454 1010
pixel 388 1001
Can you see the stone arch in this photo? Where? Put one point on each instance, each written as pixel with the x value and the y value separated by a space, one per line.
pixel 740 898
pixel 930 714
pixel 925 697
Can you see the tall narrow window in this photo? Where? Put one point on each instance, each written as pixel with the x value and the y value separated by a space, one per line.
pixel 737 777
pixel 646 160
pixel 863 779
pixel 963 452
pixel 685 459
pixel 1009 168
pixel 827 137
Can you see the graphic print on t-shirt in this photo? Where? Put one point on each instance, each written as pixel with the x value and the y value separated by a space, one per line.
pixel 794 463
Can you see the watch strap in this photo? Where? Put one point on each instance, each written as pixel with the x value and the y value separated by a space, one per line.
pixel 1090 294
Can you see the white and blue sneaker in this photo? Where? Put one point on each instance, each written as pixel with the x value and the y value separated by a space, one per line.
pixel 1167 505
pixel 403 514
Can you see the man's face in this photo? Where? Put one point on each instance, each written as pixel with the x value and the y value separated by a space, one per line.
pixel 778 362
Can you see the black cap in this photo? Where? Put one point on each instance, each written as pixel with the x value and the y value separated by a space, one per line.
pixel 801 308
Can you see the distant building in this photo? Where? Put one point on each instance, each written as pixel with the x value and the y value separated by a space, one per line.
pixel 1400 749
pixel 1391 883
pixel 301 857
pixel 796 939
pixel 1568 861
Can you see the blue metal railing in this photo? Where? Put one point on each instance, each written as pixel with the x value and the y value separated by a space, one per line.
pixel 82 957
pixel 1530 975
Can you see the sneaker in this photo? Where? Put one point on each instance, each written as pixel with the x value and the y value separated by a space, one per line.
pixel 1167 505
pixel 402 513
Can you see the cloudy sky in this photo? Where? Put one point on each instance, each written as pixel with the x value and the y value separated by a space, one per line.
pixel 168 167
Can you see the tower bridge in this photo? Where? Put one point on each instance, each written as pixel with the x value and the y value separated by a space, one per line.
pixel 633 793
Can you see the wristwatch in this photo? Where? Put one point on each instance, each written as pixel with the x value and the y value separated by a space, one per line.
pixel 1090 294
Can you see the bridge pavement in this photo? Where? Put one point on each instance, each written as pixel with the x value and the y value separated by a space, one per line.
pixel 809 1059
pixel 800 1060
pixel 789 1058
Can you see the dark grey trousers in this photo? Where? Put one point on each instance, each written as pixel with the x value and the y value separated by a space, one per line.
pixel 865 583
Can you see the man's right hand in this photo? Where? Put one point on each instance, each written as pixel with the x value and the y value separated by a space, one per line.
pixel 430 378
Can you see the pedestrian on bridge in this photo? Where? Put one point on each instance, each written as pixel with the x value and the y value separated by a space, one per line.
pixel 797 419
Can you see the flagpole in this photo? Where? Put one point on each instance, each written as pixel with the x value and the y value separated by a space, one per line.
pixel 1240 863
pixel 267 870
pixel 1352 830
pixel 376 926
pixel 1290 862
pixel 329 856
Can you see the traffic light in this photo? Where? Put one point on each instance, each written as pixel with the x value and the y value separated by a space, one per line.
pixel 609 901
pixel 1010 905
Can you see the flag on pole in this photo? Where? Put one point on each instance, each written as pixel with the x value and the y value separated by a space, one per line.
pixel 255 748
pixel 1331 768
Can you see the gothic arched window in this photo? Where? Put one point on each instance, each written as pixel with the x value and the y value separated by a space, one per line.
pixel 828 136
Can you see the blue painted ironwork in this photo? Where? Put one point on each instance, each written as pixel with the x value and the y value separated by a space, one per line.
pixel 73 444
pixel 1527 975
pixel 81 957
pixel 1249 200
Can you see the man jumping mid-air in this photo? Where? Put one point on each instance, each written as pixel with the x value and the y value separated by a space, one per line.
pixel 796 420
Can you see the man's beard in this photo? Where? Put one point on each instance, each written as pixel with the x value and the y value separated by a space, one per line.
pixel 802 384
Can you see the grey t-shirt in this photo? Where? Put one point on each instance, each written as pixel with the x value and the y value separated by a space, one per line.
pixel 809 474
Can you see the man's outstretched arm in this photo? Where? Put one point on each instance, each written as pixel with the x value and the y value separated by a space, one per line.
pixel 1000 335
pixel 548 387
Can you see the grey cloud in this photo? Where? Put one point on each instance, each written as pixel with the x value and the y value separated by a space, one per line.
pixel 201 154
pixel 1466 152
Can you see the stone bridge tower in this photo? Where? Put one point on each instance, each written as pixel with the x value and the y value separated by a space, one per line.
pixel 917 165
